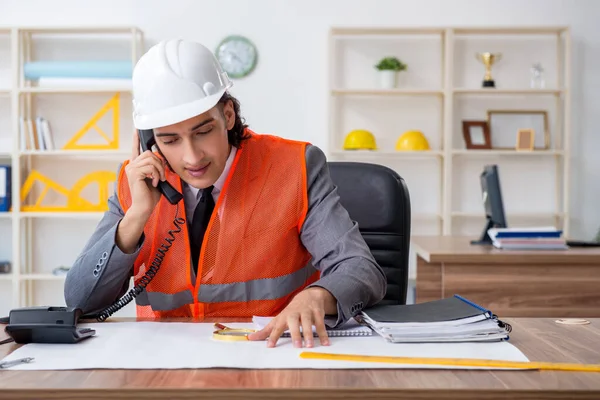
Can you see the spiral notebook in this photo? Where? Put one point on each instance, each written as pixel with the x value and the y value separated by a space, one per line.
pixel 350 328
pixel 452 319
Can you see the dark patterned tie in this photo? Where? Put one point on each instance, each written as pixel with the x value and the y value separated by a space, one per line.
pixel 202 214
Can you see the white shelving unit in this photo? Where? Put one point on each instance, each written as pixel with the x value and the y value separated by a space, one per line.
pixel 42 241
pixel 440 89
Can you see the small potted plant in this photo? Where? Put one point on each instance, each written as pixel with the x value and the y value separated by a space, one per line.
pixel 388 70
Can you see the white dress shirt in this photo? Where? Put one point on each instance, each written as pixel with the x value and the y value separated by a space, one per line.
pixel 192 195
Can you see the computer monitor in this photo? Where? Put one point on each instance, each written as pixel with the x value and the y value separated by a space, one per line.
pixel 492 202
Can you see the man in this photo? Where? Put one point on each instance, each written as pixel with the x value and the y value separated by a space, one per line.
pixel 260 230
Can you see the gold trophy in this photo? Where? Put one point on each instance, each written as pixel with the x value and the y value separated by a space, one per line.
pixel 488 59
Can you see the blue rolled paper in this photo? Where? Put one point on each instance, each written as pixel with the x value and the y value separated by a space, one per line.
pixel 77 69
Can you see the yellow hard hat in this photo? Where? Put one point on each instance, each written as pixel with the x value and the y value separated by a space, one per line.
pixel 360 139
pixel 412 141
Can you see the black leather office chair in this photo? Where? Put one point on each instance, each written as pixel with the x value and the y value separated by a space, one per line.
pixel 378 199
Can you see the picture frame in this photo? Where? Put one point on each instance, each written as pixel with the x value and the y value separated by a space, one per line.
pixel 477 135
pixel 525 139
pixel 505 124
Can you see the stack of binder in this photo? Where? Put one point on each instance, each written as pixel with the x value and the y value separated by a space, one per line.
pixel 453 319
pixel 543 238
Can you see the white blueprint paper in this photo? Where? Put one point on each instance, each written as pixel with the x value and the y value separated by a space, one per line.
pixel 180 345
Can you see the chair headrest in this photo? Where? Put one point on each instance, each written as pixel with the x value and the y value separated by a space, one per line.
pixel 374 195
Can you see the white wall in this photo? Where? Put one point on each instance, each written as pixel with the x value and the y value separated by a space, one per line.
pixel 287 94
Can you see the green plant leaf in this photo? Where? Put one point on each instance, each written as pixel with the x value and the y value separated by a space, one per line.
pixel 391 63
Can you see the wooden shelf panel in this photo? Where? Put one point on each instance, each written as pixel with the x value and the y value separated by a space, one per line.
pixel 387 92
pixel 77 153
pixel 80 29
pixel 6 277
pixel 360 32
pixel 523 91
pixel 441 153
pixel 465 214
pixel 514 30
pixel 366 154
pixel 62 215
pixel 5 215
pixel 75 89
pixel 385 31
pixel 524 153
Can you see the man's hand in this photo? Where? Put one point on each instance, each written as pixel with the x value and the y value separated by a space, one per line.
pixel 308 308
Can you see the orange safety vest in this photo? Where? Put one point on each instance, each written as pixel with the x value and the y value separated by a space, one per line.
pixel 252 261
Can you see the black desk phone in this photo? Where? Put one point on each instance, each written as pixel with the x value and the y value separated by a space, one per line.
pixel 46 325
pixel 59 324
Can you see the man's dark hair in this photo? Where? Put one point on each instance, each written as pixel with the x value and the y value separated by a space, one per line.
pixel 235 135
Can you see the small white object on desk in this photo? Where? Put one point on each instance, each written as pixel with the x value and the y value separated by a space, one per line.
pixel 12 363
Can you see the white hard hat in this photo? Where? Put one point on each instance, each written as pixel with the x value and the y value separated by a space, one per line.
pixel 174 81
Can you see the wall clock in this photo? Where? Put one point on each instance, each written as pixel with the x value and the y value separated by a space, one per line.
pixel 237 55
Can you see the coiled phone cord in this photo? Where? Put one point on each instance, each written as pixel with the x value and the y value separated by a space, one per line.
pixel 152 271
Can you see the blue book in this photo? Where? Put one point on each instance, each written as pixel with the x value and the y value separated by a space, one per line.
pixel 528 234
pixel 5 188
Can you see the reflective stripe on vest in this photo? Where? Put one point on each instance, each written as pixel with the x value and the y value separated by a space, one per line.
pixel 258 289
pixel 164 301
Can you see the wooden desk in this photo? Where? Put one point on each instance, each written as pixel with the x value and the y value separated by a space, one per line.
pixel 551 283
pixel 539 339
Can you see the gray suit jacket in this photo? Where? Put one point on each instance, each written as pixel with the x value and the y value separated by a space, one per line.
pixel 102 272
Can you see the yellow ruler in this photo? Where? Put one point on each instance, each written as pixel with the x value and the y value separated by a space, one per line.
pixel 458 362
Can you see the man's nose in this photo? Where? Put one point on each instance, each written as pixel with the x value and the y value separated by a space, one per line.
pixel 191 155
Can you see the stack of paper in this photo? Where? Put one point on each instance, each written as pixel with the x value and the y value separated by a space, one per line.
pixel 543 238
pixel 454 319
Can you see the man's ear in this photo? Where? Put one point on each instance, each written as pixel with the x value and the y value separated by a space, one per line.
pixel 229 114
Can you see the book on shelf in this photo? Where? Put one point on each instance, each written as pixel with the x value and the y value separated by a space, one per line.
pixel 35 134
pixel 82 69
pixel 75 82
pixel 452 319
pixel 533 238
pixel 5 188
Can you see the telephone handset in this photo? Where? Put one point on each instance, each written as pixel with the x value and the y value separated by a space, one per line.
pixel 147 141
